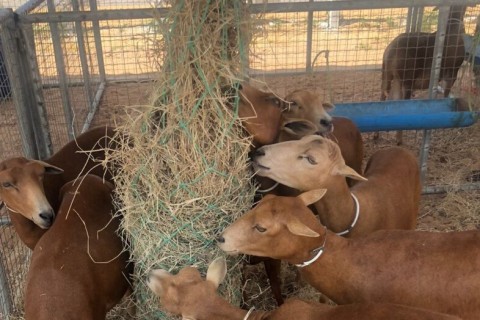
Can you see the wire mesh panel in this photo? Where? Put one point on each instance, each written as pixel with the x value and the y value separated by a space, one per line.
pixel 343 63
pixel 112 63
pixel 344 59
pixel 15 259
pixel 14 4
pixel 11 143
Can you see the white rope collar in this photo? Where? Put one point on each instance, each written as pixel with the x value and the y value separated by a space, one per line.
pixel 357 214
pixel 268 189
pixel 319 253
pixel 249 313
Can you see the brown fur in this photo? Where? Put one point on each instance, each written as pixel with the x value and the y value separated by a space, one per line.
pixel 261 116
pixel 187 294
pixel 388 200
pixel 303 114
pixel 63 281
pixel 405 267
pixel 306 105
pixel 308 108
pixel 260 113
pixel 29 197
pixel 407 60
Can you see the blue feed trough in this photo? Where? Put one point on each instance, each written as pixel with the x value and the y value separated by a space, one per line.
pixel 406 114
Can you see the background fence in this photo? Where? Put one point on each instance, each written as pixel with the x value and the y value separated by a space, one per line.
pixel 76 63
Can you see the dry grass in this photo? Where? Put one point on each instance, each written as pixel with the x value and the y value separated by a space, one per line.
pixel 184 173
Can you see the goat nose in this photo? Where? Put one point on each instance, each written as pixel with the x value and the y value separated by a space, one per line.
pixel 220 239
pixel 47 216
pixel 326 123
pixel 259 152
pixel 256 153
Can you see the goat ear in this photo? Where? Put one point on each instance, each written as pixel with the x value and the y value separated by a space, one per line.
pixel 299 229
pixel 299 127
pixel 49 168
pixel 155 281
pixel 328 106
pixel 217 270
pixel 348 172
pixel 312 196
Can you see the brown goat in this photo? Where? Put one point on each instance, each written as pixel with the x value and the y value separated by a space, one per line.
pixel 304 104
pixel 260 114
pixel 303 114
pixel 431 270
pixel 79 269
pixel 308 107
pixel 187 294
pixel 407 60
pixel 30 188
pixel 390 198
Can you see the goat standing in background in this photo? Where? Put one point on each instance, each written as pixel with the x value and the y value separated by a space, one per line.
pixel 407 60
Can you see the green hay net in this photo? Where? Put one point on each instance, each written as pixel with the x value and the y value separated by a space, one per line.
pixel 183 169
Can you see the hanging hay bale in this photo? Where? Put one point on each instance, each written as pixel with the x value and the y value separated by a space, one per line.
pixel 182 172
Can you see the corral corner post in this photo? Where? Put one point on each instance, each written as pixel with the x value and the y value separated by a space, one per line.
pixel 26 91
pixel 6 303
pixel 434 76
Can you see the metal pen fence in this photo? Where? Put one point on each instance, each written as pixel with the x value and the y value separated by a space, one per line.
pixel 63 60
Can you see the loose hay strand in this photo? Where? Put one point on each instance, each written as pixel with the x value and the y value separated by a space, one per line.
pixel 182 172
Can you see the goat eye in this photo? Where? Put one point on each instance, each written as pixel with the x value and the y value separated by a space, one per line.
pixel 310 159
pixel 259 229
pixel 7 185
pixel 296 105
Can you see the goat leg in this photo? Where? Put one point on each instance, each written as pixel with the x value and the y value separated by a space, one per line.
pixel 272 269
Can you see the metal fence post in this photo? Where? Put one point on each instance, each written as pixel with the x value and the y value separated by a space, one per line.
pixel 26 91
pixel 6 303
pixel 82 52
pixel 414 19
pixel 98 42
pixel 309 66
pixel 62 76
pixel 40 124
pixel 434 76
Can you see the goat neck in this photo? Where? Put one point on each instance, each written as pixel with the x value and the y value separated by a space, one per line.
pixel 337 208
pixel 28 231
pixel 308 164
pixel 285 228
